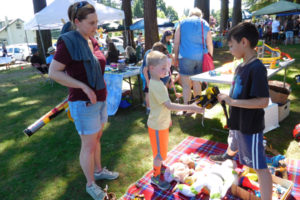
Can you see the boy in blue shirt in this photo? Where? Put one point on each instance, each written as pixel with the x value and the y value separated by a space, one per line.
pixel 248 96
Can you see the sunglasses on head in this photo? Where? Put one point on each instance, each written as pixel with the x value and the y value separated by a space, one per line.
pixel 79 5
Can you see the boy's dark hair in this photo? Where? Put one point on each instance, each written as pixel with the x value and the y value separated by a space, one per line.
pixel 244 30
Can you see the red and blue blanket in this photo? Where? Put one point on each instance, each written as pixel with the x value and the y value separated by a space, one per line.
pixel 203 148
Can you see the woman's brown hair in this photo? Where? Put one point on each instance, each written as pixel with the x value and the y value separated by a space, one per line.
pixel 80 10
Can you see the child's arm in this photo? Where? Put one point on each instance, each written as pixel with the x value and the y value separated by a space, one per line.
pixel 145 72
pixel 180 107
pixel 255 103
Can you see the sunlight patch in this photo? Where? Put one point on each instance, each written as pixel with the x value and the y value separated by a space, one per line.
pixel 53 189
pixel 31 102
pixel 18 160
pixel 18 100
pixel 14 113
pixel 15 89
pixel 6 144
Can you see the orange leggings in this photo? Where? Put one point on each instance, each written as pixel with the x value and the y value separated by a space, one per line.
pixel 159 141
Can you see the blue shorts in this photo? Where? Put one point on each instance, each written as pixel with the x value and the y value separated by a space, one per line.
pixel 88 118
pixel 289 34
pixel 250 148
pixel 190 67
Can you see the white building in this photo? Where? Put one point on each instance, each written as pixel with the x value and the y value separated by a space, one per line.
pixel 12 32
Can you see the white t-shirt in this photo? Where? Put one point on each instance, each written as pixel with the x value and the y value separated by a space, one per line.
pixel 275 26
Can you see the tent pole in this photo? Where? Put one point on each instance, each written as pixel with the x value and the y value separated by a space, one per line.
pixel 42 42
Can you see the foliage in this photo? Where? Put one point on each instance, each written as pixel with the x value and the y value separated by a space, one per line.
pixel 138 9
pixel 163 10
pixel 254 5
pixel 110 3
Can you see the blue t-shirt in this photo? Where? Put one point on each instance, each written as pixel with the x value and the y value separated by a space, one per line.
pixel 49 59
pixel 250 81
pixel 191 45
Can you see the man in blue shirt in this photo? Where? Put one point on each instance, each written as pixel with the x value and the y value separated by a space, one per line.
pixel 52 52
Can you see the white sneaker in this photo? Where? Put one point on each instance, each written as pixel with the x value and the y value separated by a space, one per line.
pixel 95 191
pixel 106 174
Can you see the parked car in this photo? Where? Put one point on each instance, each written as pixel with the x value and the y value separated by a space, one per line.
pixel 21 51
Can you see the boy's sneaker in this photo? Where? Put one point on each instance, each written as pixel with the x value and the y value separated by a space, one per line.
pixel 95 191
pixel 106 174
pixel 220 158
pixel 163 185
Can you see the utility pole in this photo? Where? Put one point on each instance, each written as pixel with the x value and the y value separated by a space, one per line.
pixel 44 40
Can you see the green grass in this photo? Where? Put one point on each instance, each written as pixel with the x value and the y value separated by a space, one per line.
pixel 46 166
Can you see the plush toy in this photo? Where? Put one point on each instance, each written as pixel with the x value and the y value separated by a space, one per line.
pixel 180 170
pixel 217 180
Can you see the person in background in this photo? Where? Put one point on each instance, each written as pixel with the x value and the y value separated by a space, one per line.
pixel 249 95
pixel 166 40
pixel 51 51
pixel 145 74
pixel 112 55
pixel 4 51
pixel 130 56
pixel 275 30
pixel 289 30
pixel 37 61
pixel 189 51
pixel 260 31
pixel 79 65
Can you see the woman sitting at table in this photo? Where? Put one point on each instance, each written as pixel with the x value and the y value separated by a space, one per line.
pixel 130 55
pixel 112 55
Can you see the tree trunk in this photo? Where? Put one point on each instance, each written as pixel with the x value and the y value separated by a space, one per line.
pixel 128 34
pixel 203 5
pixel 151 29
pixel 237 12
pixel 224 15
pixel 45 42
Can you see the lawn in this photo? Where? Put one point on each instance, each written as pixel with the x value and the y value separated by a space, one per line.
pixel 46 165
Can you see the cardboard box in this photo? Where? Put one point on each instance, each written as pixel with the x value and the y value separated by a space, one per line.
pixel 283 111
pixel 245 195
pixel 271 117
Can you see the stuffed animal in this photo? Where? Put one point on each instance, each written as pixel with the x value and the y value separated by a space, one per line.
pixel 180 170
pixel 217 180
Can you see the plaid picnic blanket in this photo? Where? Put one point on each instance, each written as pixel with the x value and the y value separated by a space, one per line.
pixel 203 148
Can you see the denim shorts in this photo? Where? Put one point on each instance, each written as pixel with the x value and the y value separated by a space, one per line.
pixel 190 67
pixel 289 34
pixel 88 118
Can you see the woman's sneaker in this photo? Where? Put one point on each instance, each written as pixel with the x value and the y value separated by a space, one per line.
pixel 106 174
pixel 163 185
pixel 95 191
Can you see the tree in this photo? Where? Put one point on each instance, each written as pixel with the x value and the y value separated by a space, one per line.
pixel 171 14
pixel 128 34
pixel 150 17
pixel 45 41
pixel 237 12
pixel 203 5
pixel 224 15
pixel 138 9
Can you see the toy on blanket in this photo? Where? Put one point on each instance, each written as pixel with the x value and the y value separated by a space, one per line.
pixel 214 180
pixel 180 170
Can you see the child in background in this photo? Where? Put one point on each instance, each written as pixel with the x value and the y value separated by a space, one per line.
pixel 249 95
pixel 159 119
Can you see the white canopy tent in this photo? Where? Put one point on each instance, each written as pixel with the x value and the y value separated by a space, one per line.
pixel 51 16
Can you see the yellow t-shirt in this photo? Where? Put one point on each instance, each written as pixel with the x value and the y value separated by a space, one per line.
pixel 160 116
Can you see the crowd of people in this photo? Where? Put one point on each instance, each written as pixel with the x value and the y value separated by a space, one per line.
pixel 284 29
